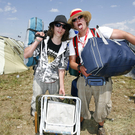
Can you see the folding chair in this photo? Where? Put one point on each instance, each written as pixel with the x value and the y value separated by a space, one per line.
pixel 59 117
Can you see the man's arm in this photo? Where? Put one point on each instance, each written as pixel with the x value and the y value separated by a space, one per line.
pixel 119 34
pixel 74 65
pixel 61 79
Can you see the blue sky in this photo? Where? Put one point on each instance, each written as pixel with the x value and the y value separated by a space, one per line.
pixel 14 14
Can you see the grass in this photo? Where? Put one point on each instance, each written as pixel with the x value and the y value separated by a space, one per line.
pixel 15 98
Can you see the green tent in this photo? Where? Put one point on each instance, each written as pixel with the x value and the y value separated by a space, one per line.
pixel 11 56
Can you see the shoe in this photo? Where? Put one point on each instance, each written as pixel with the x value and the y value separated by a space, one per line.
pixel 81 124
pixel 101 131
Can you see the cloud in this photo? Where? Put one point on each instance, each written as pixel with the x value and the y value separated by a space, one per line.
pixel 9 8
pixel 124 25
pixel 118 25
pixel 113 6
pixel 132 21
pixel 134 3
pixel 1 10
pixel 14 18
pixel 54 10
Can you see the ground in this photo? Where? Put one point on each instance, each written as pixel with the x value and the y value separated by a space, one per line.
pixel 15 98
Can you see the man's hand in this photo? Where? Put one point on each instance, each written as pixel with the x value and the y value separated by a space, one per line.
pixel 83 71
pixel 62 92
pixel 41 36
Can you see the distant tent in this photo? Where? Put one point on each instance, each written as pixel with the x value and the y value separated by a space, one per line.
pixel 11 56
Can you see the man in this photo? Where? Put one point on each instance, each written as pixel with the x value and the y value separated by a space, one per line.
pixel 79 20
pixel 50 71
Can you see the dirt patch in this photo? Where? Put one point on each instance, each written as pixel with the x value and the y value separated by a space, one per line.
pixel 15 98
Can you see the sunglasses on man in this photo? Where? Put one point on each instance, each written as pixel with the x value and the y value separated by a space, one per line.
pixel 59 25
pixel 79 17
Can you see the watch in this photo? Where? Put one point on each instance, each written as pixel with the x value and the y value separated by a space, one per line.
pixel 78 67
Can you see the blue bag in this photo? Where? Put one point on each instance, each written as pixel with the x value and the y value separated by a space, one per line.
pixel 95 80
pixel 104 57
pixel 35 25
pixel 74 90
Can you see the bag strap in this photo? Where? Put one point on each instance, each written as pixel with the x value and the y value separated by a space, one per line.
pixel 75 44
pixel 101 35
pixel 94 33
pixel 42 44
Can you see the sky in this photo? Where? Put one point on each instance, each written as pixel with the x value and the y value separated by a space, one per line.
pixel 15 14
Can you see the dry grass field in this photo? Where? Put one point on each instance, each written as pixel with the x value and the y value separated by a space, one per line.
pixel 15 98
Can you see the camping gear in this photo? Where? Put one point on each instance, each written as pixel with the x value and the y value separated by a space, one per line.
pixel 11 56
pixel 58 114
pixel 34 25
pixel 105 57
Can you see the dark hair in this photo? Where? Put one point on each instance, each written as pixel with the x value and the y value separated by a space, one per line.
pixel 51 32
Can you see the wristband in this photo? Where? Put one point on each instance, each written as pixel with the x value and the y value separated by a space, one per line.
pixel 78 67
pixel 37 40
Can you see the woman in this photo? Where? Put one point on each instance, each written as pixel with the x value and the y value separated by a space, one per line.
pixel 50 71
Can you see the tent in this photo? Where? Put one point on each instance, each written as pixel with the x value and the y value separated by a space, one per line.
pixel 11 56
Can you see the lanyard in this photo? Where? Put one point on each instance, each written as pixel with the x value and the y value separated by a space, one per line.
pixel 86 35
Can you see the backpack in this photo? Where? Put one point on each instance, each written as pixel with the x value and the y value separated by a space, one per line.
pixel 34 25
pixel 75 44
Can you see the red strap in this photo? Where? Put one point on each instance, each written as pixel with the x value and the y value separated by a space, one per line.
pixel 93 32
pixel 75 43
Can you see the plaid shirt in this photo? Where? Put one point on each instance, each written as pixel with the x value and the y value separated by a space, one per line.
pixel 49 72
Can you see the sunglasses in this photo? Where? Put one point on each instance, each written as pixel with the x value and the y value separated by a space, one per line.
pixel 59 25
pixel 79 17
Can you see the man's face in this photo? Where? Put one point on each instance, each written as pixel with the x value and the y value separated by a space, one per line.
pixel 59 29
pixel 79 22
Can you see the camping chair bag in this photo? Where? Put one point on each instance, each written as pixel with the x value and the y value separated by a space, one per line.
pixel 34 25
pixel 105 57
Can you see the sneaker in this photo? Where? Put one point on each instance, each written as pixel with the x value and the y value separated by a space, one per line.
pixel 101 131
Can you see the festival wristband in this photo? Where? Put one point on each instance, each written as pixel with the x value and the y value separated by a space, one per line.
pixel 37 40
